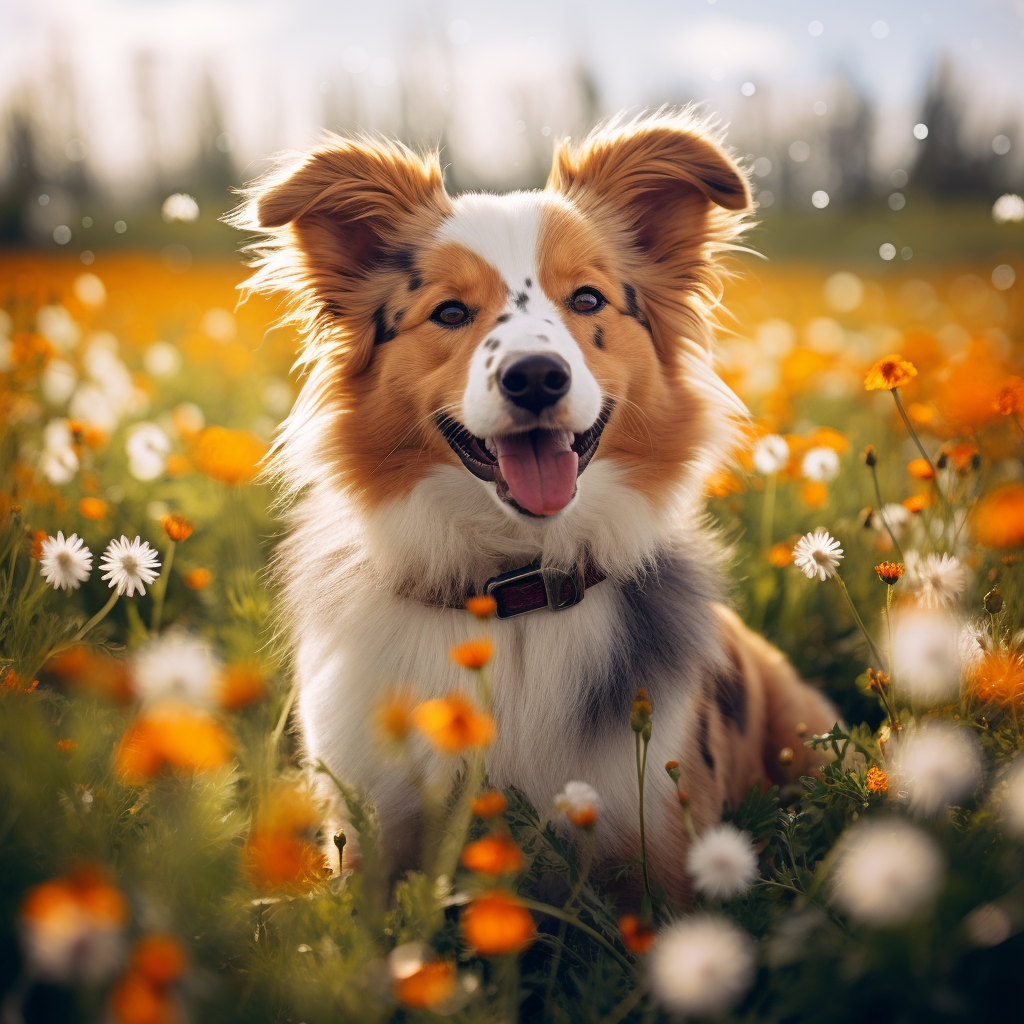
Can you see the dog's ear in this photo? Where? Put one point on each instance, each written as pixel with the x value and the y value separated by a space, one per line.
pixel 335 217
pixel 666 183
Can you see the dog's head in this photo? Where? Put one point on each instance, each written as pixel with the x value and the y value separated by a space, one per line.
pixel 517 337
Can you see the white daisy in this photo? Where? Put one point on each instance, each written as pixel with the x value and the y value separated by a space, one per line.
pixel 147 447
pixel 130 565
pixel 936 766
pixel 939 579
pixel 885 872
pixel 579 802
pixel 817 554
pixel 771 454
pixel 65 563
pixel 723 862
pixel 701 965
pixel 177 664
pixel 820 464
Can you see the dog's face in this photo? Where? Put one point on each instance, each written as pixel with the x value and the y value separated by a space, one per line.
pixel 518 337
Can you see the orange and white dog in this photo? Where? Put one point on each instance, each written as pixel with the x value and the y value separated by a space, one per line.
pixel 516 393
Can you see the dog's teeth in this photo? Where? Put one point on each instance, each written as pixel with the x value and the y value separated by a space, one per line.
pixel 491 447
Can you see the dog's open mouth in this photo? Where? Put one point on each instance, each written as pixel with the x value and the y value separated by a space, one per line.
pixel 535 470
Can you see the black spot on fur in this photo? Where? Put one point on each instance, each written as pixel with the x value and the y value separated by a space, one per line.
pixel 599 337
pixel 399 316
pixel 491 344
pixel 504 317
pixel 547 321
pixel 381 331
pixel 731 698
pixel 528 283
pixel 400 259
pixel 332 307
pixel 633 307
pixel 414 282
pixel 522 300
pixel 702 741
pixel 659 639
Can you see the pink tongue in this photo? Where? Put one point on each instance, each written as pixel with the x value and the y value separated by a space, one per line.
pixel 539 468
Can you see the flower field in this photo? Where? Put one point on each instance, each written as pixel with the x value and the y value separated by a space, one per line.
pixel 162 849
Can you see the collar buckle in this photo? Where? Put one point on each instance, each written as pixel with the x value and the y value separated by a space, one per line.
pixel 534 587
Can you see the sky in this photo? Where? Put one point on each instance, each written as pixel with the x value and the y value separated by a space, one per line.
pixel 498 70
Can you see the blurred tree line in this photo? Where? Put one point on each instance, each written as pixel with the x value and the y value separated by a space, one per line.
pixel 47 178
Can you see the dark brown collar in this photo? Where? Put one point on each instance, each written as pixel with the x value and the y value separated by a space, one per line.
pixel 531 588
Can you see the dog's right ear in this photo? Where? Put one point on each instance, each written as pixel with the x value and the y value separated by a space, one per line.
pixel 335 217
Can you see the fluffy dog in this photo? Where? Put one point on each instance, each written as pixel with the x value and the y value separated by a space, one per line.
pixel 519 389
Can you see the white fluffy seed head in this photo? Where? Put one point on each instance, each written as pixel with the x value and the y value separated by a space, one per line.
pixel 771 454
pixel 935 766
pixel 1012 799
pixel 701 965
pixel 820 464
pixel 925 654
pixel 885 872
pixel 723 862
pixel 177 665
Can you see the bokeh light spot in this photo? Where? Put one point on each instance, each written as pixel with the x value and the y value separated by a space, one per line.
pixel 887 251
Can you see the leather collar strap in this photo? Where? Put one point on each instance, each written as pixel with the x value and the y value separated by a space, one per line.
pixel 531 588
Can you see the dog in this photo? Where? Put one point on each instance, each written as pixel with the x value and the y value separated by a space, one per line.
pixel 516 394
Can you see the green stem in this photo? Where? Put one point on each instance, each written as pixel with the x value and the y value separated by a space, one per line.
pixel 561 915
pixel 625 1007
pixel 160 590
pixel 892 659
pixel 98 617
pixel 882 515
pixel 920 447
pixel 282 721
pixel 876 653
pixel 768 511
pixel 641 765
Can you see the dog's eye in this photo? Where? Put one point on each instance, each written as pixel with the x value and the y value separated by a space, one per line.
pixel 450 314
pixel 586 300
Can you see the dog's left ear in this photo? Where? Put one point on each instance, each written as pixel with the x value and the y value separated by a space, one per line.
pixel 668 185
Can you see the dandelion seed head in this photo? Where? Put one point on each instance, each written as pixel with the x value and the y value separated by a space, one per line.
pixel 771 454
pixel 701 965
pixel 579 802
pixel 821 464
pixel 938 580
pixel 723 862
pixel 886 870
pixel 1012 799
pixel 924 653
pixel 935 766
pixel 179 665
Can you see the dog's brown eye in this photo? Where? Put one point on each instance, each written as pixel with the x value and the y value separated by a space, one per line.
pixel 587 300
pixel 450 314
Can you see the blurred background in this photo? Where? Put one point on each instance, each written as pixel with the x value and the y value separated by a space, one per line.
pixel 865 125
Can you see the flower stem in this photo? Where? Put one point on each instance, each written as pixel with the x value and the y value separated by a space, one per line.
pixel 641 767
pixel 876 653
pixel 160 590
pixel 882 515
pixel 98 617
pixel 892 659
pixel 920 447
pixel 562 915
pixel 768 511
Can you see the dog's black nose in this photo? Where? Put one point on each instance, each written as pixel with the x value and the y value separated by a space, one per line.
pixel 534 382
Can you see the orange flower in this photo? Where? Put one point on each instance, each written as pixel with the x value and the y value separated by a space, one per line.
pixel 920 469
pixel 473 653
pixel 453 723
pixel 171 736
pixel 493 855
pixel 636 937
pixel 780 555
pixel 888 373
pixel 483 606
pixel 281 854
pixel 92 508
pixel 87 889
pixel 231 456
pixel 395 716
pixel 1010 400
pixel 878 781
pixel 814 493
pixel 998 519
pixel 889 572
pixel 999 679
pixel 428 987
pixel 917 502
pixel 962 457
pixel 13 681
pixel 67 746
pixel 178 465
pixel 93 672
pixel 36 551
pixel 828 437
pixel 136 1000
pixel 241 684
pixel 159 958
pixel 496 923
pixel 722 483
pixel 176 527
pixel 489 803
pixel 198 579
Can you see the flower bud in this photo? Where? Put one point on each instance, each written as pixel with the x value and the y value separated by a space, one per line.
pixel 786 755
pixel 994 601
pixel 672 767
pixel 640 714
pixel 870 458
